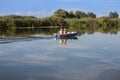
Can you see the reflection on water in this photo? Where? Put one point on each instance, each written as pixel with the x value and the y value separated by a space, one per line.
pixel 90 57
pixel 64 41
pixel 6 40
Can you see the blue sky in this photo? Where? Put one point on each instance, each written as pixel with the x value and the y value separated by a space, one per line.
pixel 42 8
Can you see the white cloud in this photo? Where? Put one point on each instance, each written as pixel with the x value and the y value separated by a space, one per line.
pixel 43 57
pixel 42 13
pixel 38 59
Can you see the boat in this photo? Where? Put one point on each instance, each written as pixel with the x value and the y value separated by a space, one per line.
pixel 68 35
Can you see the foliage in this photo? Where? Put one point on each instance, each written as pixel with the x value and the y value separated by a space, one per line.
pixel 76 20
pixel 113 15
pixel 80 14
pixel 91 15
pixel 61 13
pixel 70 14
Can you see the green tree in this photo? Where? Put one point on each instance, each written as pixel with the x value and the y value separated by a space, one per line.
pixel 71 14
pixel 61 13
pixel 80 14
pixel 113 15
pixel 91 15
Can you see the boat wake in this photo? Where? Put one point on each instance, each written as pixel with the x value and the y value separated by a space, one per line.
pixel 5 40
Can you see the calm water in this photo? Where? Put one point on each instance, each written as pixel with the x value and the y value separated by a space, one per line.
pixel 90 57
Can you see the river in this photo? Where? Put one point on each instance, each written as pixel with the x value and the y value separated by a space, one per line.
pixel 89 57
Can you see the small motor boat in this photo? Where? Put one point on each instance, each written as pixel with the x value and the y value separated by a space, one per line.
pixel 67 35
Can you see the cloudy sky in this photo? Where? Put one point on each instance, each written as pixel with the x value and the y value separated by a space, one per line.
pixel 42 8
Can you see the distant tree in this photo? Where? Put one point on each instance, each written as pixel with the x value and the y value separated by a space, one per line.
pixel 91 15
pixel 83 15
pixel 61 13
pixel 77 14
pixel 113 15
pixel 80 14
pixel 71 14
pixel 61 22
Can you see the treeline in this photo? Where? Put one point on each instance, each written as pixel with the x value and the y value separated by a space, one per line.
pixel 30 21
pixel 91 25
pixel 78 20
pixel 71 14
pixel 81 14
pixel 11 23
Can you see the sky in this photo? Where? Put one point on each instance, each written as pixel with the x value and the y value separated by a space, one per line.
pixel 43 8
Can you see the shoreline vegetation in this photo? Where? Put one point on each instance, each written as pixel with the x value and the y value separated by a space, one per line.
pixel 75 21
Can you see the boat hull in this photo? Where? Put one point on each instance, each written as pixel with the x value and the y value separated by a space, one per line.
pixel 66 36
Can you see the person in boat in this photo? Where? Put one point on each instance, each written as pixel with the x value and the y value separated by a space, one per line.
pixel 65 31
pixel 60 31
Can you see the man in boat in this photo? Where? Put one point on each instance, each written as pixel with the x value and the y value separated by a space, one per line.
pixel 65 31
pixel 60 31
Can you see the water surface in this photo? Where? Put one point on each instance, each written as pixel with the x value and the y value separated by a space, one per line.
pixel 90 57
